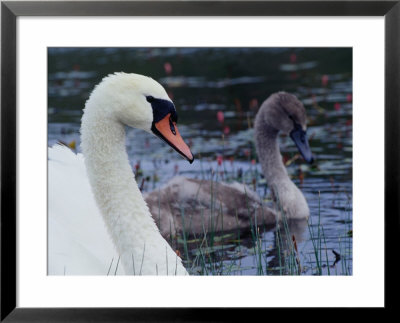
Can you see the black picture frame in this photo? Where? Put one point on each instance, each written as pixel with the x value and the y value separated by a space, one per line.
pixel 10 11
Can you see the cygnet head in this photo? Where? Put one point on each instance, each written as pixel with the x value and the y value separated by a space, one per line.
pixel 140 102
pixel 284 112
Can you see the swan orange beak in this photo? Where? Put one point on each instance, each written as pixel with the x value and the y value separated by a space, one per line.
pixel 167 130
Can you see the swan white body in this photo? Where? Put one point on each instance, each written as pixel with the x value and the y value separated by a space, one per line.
pixel 78 243
pixel 97 215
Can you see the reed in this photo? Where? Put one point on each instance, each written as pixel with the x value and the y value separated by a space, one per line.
pixel 216 252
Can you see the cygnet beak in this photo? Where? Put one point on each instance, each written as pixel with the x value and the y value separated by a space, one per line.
pixel 299 137
pixel 167 130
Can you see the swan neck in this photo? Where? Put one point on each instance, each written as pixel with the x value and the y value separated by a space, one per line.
pixel 141 248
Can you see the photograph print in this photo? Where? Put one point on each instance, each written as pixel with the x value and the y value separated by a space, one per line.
pixel 200 161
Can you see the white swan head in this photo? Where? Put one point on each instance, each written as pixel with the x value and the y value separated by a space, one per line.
pixel 284 112
pixel 140 102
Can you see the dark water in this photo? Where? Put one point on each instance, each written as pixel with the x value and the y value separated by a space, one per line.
pixel 206 83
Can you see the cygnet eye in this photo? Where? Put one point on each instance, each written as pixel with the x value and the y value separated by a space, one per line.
pixel 150 98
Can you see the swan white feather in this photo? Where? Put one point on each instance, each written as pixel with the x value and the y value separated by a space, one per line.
pixel 78 240
pixel 97 215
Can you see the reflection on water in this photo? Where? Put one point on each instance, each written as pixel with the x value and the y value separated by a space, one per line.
pixel 217 93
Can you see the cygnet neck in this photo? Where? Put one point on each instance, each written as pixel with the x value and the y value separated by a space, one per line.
pixel 268 152
pixel 289 198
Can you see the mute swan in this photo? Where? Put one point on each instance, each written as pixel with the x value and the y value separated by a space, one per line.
pixel 235 205
pixel 98 219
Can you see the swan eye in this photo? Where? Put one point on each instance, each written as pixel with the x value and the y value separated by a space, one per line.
pixel 174 116
pixel 150 99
